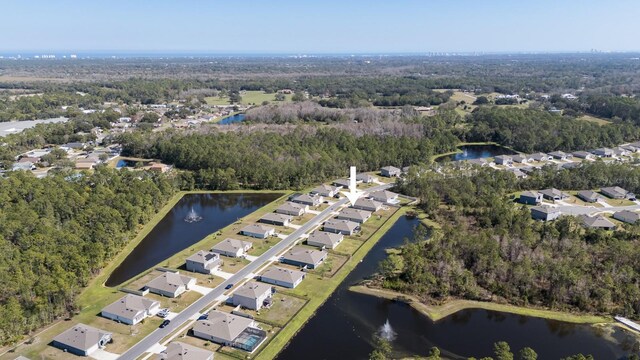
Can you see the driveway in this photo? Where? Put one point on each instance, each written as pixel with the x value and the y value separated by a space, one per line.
pixel 201 289
pixel 101 354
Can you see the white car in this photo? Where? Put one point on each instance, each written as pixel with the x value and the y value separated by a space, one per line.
pixel 163 313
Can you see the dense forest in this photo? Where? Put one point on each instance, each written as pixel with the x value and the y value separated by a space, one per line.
pixel 58 232
pixel 489 248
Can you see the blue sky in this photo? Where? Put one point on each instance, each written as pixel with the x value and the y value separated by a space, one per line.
pixel 347 26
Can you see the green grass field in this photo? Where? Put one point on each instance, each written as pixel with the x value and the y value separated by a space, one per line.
pixel 594 119
pixel 248 98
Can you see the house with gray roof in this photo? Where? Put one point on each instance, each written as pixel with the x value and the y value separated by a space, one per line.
pixel 541 157
pixel 232 247
pixel 560 155
pixel 503 160
pixel 344 227
pixel 614 192
pixel 276 219
pixel 82 340
pixel 390 171
pixel 292 209
pixel 366 178
pixel 130 309
pixel 480 162
pixel 355 215
pixel 584 155
pixel 288 278
pixel 258 231
pixel 252 295
pixel 518 173
pixel 603 152
pixel 306 199
pixel 521 159
pixel 230 330
pixel 544 213
pixel 343 183
pixel 304 257
pixel 530 198
pixel 367 204
pixel 325 190
pixel 631 148
pixel 588 196
pixel 553 194
pixel 180 351
pixel 204 262
pixel 621 151
pixel 597 222
pixel 324 239
pixel 627 216
pixel 170 284
pixel 384 196
pixel 23 166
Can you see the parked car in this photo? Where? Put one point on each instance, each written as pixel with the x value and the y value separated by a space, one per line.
pixel 164 324
pixel 229 286
pixel 163 313
pixel 203 317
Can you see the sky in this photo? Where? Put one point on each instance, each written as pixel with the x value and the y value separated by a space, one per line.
pixel 307 27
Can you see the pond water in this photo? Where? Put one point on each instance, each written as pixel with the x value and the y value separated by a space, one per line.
pixel 125 163
pixel 470 152
pixel 232 119
pixel 173 233
pixel 344 326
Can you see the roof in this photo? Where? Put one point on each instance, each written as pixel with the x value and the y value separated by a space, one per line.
pixel 627 215
pixel 305 255
pixel 615 190
pixel 324 188
pixel 283 275
pixel 257 229
pixel 383 194
pixel 391 169
pixel 326 238
pixel 350 213
pixel 588 194
pixel 130 305
pixel 504 157
pixel 582 153
pixel 597 222
pixel 343 182
pixel 181 351
pixel 222 325
pixel 553 192
pixel 307 198
pixel 545 209
pixel 369 203
pixel 539 155
pixel 252 290
pixel 169 281
pixel 520 157
pixel 81 337
pixel 232 245
pixel 203 257
pixel 345 225
pixel 603 150
pixel 365 177
pixel 558 153
pixel 532 194
pixel 275 217
pixel 291 206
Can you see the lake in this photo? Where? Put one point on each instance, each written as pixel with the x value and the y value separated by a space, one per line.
pixel 232 119
pixel 470 152
pixel 173 233
pixel 125 163
pixel 344 326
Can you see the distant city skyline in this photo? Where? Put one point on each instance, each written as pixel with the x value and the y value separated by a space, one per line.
pixel 328 27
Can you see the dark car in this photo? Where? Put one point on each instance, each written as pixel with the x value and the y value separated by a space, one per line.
pixel 203 317
pixel 164 324
pixel 228 286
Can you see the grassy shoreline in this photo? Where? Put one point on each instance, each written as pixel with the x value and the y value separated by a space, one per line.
pixel 457 151
pixel 438 312
pixel 281 340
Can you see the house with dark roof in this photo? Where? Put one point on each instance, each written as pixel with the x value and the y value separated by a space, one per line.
pixel 588 196
pixel 252 295
pixel 130 309
pixel 82 340
pixel 258 231
pixel 560 155
pixel 275 219
pixel 603 152
pixel 521 159
pixel 553 194
pixel 304 257
pixel 288 278
pixel 390 171
pixel 170 284
pixel 627 216
pixel 544 213
pixel 292 209
pixel 344 227
pixel 180 351
pixel 204 262
pixel 530 198
pixel 355 215
pixel 597 222
pixel 614 192
pixel 323 239
pixel 541 157
pixel 503 160
pixel 343 183
pixel 584 155
pixel 232 247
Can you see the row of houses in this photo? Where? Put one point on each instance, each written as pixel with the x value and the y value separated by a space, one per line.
pixel 552 194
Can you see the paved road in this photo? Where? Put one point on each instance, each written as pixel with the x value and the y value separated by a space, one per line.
pixel 157 335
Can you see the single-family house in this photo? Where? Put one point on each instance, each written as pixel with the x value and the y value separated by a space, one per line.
pixel 620 151
pixel 252 295
pixel 276 219
pixel 541 157
pixel 292 209
pixel 325 191
pixel 570 165
pixel 627 216
pixel 518 173
pixel 503 160
pixel 366 178
pixel 304 257
pixel 390 171
pixel 204 262
pixel 258 231
pixel 306 199
pixel 355 215
pixel 560 155
pixel 603 152
pixel 288 278
pixel 584 155
pixel 232 247
pixel 521 159
pixel 367 204
pixel 631 148
pixel 82 340
pixel 159 167
pixel 614 192
pixel 384 196
pixel 544 213
pixel 180 351
pixel 324 239
pixel 480 162
pixel 588 196
pixel 170 284
pixel 344 227
pixel 23 166
pixel 597 222
pixel 130 309
pixel 73 146
pixel 553 194
pixel 230 330
pixel 342 183
pixel 530 198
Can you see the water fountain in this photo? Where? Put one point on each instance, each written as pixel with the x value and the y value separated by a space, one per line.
pixel 386 331
pixel 192 216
